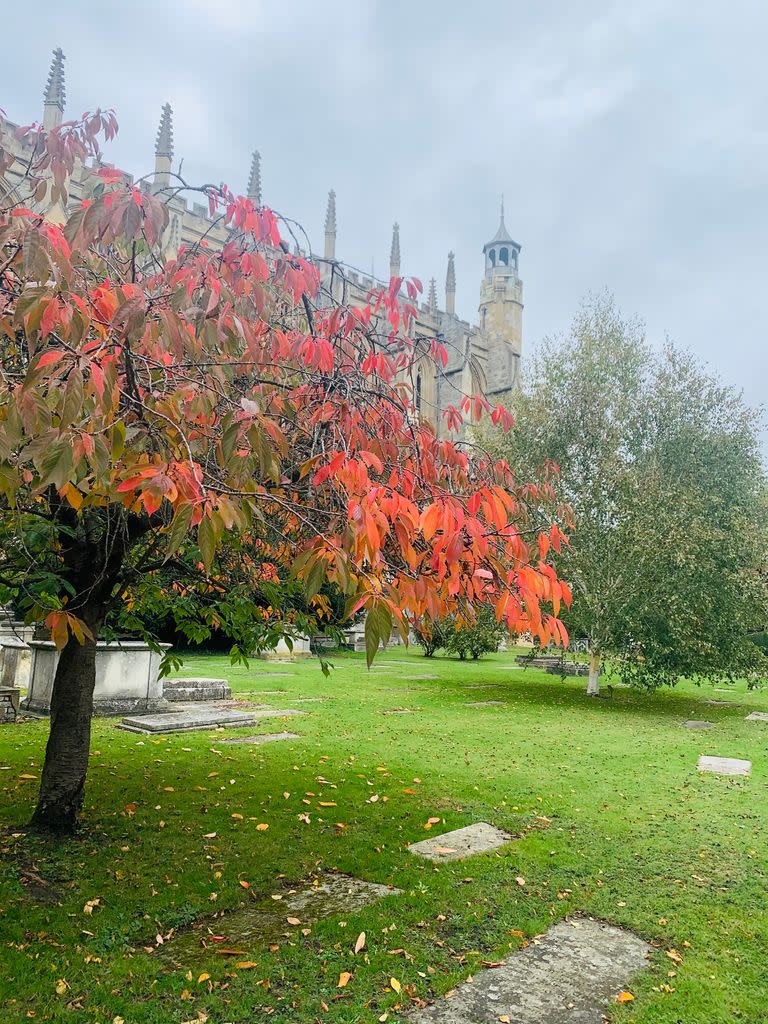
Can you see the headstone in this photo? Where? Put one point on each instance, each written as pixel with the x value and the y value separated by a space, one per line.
pixel 9 704
pixel 299 649
pixel 724 765
pixel 195 717
pixel 266 921
pixel 265 737
pixel 693 723
pixel 196 689
pixel 757 716
pixel 461 842
pixel 16 661
pixel 570 975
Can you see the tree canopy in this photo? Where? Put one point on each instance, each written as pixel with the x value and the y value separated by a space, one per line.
pixel 212 422
pixel 660 464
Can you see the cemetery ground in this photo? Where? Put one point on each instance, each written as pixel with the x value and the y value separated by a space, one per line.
pixel 610 816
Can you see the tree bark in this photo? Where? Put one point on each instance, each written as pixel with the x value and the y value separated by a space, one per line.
pixel 593 686
pixel 62 788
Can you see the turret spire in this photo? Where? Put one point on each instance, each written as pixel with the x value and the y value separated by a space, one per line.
pixel 432 298
pixel 330 227
pixel 450 287
pixel 164 149
pixel 394 252
pixel 164 140
pixel 55 92
pixel 254 179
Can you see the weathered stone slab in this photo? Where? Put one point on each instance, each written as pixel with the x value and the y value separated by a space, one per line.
pixel 461 842
pixel 259 693
pixel 271 675
pixel 694 723
pixel 568 976
pixel 484 703
pixel 719 703
pixel 194 717
pixel 266 921
pixel 305 700
pixel 757 716
pixel 196 689
pixel 423 675
pixel 724 765
pixel 265 737
pixel 397 711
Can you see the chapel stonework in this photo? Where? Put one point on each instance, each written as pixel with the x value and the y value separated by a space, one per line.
pixel 482 357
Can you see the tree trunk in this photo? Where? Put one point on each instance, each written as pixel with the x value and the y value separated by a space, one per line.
pixel 62 787
pixel 593 687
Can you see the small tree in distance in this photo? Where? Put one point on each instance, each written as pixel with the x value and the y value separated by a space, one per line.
pixel 167 419
pixel 661 465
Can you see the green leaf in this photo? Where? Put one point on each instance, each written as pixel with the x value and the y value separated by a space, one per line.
pixel 206 541
pixel 378 628
pixel 178 529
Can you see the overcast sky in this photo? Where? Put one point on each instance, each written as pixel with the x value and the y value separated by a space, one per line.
pixel 629 140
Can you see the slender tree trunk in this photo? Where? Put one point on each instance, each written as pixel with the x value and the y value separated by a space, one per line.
pixel 593 686
pixel 62 787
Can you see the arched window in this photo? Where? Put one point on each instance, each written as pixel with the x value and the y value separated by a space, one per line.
pixel 504 256
pixel 492 257
pixel 418 392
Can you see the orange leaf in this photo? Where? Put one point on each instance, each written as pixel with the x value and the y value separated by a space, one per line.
pixel 344 979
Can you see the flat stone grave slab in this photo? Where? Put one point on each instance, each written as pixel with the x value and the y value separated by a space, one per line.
pixel 719 703
pixel 265 737
pixel 305 700
pixel 271 675
pixel 570 975
pixel 757 716
pixel 724 765
pixel 397 711
pixel 481 686
pixel 266 921
pixel 195 717
pixel 461 842
pixel 484 703
pixel 259 693
pixel 694 723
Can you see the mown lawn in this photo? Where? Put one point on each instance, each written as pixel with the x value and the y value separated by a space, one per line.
pixel 613 818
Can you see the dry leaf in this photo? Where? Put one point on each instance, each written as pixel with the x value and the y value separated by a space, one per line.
pixel 293 920
pixel 245 885
pixel 431 822
pixel 674 955
pixel 624 997
pixel 360 942
pixel 202 978
pixel 394 985
pixel 239 817
pixel 246 965
pixel 27 776
pixel 262 827
pixel 61 987
pixel 520 880
pixel 344 979
pixel 209 835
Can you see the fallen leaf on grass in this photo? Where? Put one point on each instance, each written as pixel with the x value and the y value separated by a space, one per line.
pixel 262 827
pixel 674 955
pixel 624 997
pixel 231 952
pixel 238 817
pixel 245 885
pixel 394 985
pixel 520 880
pixel 431 822
pixel 293 921
pixel 202 978
pixel 360 942
pixel 344 979
pixel 246 965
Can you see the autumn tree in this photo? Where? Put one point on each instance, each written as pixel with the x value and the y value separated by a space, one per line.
pixel 194 415
pixel 661 465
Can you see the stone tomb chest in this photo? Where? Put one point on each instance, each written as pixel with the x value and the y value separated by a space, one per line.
pixel 126 678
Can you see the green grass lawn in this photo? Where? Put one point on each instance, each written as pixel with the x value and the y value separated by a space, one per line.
pixel 612 817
